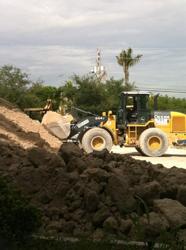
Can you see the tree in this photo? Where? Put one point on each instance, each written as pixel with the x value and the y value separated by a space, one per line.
pixel 127 60
pixel 41 93
pixel 113 91
pixel 90 94
pixel 68 90
pixel 13 84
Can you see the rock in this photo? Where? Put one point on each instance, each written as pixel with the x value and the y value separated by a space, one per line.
pixel 72 164
pixel 75 205
pixel 98 234
pixel 100 216
pixel 56 161
pixel 51 233
pixel 172 210
pixel 118 189
pixel 91 201
pixel 73 177
pixel 101 154
pixel 45 197
pixel 57 124
pixel 171 182
pixel 52 212
pixel 77 232
pixel 78 215
pixel 93 162
pixel 110 224
pixel 94 186
pixel 68 150
pixel 81 165
pixel 181 195
pixel 99 175
pixel 80 188
pixel 54 226
pixel 170 189
pixel 69 227
pixel 30 179
pixel 182 235
pixel 38 156
pixel 158 172
pixel 83 231
pixel 71 195
pixel 149 191
pixel 62 188
pixel 67 216
pixel 125 226
pixel 153 224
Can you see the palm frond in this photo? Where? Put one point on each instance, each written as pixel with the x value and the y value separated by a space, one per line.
pixel 135 60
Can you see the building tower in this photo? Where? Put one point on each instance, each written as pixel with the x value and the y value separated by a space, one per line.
pixel 99 69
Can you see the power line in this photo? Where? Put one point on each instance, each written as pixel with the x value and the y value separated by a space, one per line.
pixel 163 90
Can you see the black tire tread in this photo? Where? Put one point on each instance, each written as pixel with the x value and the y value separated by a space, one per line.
pixel 153 132
pixel 86 140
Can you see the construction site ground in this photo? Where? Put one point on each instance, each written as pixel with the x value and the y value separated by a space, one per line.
pixel 173 157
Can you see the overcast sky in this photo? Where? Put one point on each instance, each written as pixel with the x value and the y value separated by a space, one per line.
pixel 52 39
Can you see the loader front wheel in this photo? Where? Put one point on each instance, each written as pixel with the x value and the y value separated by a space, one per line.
pixel 96 139
pixel 153 142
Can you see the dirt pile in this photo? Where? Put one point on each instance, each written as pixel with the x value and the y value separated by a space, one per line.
pixel 22 130
pixel 93 195
pixel 98 194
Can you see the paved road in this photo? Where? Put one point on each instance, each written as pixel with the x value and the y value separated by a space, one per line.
pixel 173 157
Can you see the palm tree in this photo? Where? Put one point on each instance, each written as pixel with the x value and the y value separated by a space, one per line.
pixel 127 60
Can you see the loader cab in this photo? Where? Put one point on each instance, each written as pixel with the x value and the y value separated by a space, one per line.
pixel 134 108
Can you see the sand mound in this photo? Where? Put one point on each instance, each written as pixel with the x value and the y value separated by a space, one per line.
pixel 24 131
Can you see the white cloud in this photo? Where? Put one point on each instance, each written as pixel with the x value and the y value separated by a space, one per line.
pixel 47 37
pixel 34 15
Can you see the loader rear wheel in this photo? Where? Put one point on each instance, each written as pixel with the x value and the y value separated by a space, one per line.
pixel 153 142
pixel 96 139
pixel 139 150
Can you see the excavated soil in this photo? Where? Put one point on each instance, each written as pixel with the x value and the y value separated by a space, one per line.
pixel 93 195
pixel 98 194
pixel 24 131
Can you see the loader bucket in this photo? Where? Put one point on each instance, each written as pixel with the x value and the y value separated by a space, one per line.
pixel 57 124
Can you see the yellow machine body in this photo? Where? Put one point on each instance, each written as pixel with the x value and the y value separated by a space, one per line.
pixel 171 123
pixel 174 126
pixel 110 126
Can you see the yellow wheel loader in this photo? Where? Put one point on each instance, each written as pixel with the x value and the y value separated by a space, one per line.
pixel 135 125
pixel 150 132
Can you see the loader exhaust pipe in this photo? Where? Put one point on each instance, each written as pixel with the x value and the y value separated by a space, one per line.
pixel 156 102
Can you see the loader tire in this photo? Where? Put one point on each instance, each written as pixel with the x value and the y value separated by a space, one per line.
pixel 139 150
pixel 153 142
pixel 96 139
